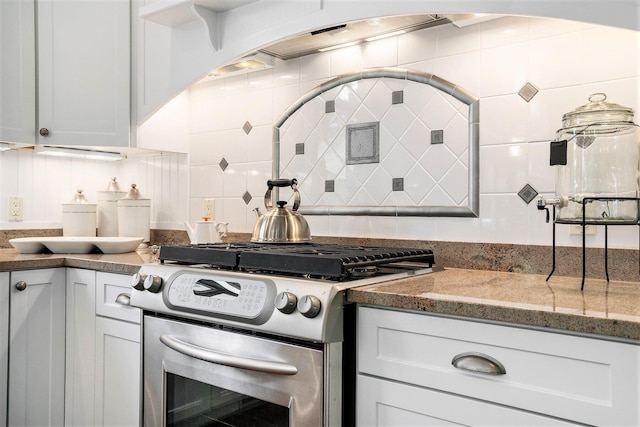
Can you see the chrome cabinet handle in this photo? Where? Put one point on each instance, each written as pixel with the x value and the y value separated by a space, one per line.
pixel 44 132
pixel 478 362
pixel 21 285
pixel 123 299
pixel 212 356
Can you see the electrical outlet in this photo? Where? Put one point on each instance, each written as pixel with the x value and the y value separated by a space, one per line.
pixel 576 230
pixel 209 208
pixel 15 208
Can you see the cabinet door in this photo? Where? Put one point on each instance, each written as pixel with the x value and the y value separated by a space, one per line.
pixel 81 348
pixel 84 72
pixel 4 344
pixel 17 71
pixel 117 373
pixel 36 354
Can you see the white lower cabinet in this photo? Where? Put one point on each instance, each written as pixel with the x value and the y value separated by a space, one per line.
pixel 103 351
pixel 36 348
pixel 406 374
pixel 4 344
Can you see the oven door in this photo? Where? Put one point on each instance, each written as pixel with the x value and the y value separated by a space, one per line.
pixel 201 376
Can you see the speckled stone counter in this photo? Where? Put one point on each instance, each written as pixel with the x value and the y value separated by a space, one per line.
pixel 127 263
pixel 611 309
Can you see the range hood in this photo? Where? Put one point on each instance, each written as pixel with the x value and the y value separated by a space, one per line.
pixel 351 33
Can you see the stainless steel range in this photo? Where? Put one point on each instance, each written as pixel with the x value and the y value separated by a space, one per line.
pixel 245 334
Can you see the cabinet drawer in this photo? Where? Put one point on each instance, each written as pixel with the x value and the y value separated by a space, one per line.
pixel 391 404
pixel 582 379
pixel 108 287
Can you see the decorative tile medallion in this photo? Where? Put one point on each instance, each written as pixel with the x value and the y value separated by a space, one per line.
pixel 397 97
pixel 528 91
pixel 330 107
pixel 437 136
pixel 329 186
pixel 527 193
pixel 397 184
pixel 223 164
pixel 363 143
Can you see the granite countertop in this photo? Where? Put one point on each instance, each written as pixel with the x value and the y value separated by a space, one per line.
pixel 127 263
pixel 610 309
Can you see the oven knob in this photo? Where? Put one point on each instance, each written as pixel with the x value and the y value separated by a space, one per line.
pixel 309 306
pixel 286 302
pixel 153 283
pixel 137 281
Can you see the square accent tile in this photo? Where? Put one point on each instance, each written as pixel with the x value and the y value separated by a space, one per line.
pixel 527 193
pixel 247 197
pixel 437 136
pixel 397 97
pixel 363 143
pixel 528 91
pixel 247 127
pixel 223 164
pixel 397 184
pixel 300 148
pixel 329 186
pixel 330 107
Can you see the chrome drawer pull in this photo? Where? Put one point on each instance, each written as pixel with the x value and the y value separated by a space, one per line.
pixel 123 299
pixel 478 362
pixel 212 356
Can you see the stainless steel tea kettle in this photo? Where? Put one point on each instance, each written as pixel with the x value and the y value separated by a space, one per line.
pixel 279 224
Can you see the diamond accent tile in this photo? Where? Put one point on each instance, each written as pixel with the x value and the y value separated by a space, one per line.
pixel 363 143
pixel 223 164
pixel 247 127
pixel 397 184
pixel 528 91
pixel 330 107
pixel 329 186
pixel 247 197
pixel 300 148
pixel 397 97
pixel 527 193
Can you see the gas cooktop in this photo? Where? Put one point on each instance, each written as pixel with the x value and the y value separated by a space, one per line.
pixel 333 262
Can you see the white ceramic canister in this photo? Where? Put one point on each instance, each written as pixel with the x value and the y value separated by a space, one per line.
pixel 134 215
pixel 108 209
pixel 79 217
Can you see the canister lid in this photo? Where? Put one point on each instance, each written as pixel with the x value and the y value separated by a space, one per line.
pixel 134 193
pixel 114 186
pixel 79 198
pixel 598 111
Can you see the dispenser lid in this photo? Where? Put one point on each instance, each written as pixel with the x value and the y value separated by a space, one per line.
pixel 134 194
pixel 79 198
pixel 114 186
pixel 598 111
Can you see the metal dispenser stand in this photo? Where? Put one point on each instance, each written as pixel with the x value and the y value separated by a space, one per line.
pixel 554 202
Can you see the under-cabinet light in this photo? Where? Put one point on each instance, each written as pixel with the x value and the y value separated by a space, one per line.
pixel 254 62
pixel 4 146
pixel 338 46
pixel 79 153
pixel 384 36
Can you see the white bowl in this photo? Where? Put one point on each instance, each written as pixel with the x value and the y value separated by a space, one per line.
pixel 69 245
pixel 27 245
pixel 117 245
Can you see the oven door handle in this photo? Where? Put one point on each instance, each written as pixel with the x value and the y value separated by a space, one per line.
pixel 212 356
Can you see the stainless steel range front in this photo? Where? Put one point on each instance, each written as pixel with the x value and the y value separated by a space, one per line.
pixel 254 334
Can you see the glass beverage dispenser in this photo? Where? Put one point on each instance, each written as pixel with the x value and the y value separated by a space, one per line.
pixel 597 158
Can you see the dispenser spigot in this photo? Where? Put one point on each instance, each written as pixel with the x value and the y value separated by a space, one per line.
pixel 543 203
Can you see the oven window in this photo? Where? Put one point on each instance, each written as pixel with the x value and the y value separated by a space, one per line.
pixel 192 404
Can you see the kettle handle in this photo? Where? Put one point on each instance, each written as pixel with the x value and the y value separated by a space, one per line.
pixel 268 203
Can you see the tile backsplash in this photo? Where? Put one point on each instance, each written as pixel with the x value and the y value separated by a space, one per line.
pixel 527 73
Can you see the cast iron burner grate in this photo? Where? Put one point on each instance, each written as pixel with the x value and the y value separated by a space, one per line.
pixel 308 259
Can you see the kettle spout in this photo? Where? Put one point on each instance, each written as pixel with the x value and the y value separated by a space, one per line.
pixel 257 211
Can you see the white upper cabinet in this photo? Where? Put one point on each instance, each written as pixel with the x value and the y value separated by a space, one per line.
pixel 17 72
pixel 84 68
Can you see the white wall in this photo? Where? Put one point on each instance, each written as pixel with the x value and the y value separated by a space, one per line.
pixel 566 61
